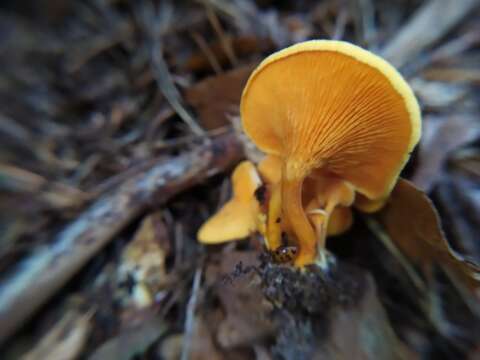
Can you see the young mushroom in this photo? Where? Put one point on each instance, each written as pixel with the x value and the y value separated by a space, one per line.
pixel 335 114
pixel 240 216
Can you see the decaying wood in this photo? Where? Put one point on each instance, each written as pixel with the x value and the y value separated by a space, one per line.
pixel 38 277
pixel 427 26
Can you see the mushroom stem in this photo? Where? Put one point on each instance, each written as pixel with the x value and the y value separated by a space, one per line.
pixel 322 232
pixel 295 214
pixel 274 231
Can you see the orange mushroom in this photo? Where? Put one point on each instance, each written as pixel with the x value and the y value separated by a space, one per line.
pixel 328 199
pixel 340 221
pixel 328 110
pixel 240 216
pixel 270 170
pixel 367 205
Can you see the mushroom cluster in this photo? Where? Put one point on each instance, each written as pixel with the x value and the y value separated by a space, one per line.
pixel 337 124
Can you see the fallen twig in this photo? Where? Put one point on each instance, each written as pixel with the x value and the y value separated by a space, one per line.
pixel 190 318
pixel 132 341
pixel 224 40
pixel 428 24
pixel 53 193
pixel 38 277
pixel 65 340
pixel 163 76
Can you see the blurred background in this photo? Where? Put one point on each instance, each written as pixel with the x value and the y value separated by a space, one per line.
pixel 98 257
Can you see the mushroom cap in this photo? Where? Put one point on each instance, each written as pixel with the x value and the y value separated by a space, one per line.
pixel 340 221
pixel 245 181
pixel 327 188
pixel 369 206
pixel 234 221
pixel 333 105
pixel 270 168
pixel 239 217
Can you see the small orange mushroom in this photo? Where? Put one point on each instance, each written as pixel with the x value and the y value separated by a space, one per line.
pixel 240 216
pixel 367 205
pixel 328 199
pixel 328 109
pixel 340 221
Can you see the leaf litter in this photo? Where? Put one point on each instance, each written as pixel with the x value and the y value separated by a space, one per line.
pixel 97 95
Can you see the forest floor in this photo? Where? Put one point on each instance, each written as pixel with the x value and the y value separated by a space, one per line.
pixel 119 128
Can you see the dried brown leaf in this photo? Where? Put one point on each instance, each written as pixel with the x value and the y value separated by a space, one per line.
pixel 247 312
pixel 216 96
pixel 414 226
pixel 243 45
pixel 131 342
pixel 171 347
pixel 202 346
pixel 453 74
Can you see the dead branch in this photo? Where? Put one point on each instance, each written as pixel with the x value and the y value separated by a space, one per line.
pixel 38 277
pixel 190 320
pixel 428 24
